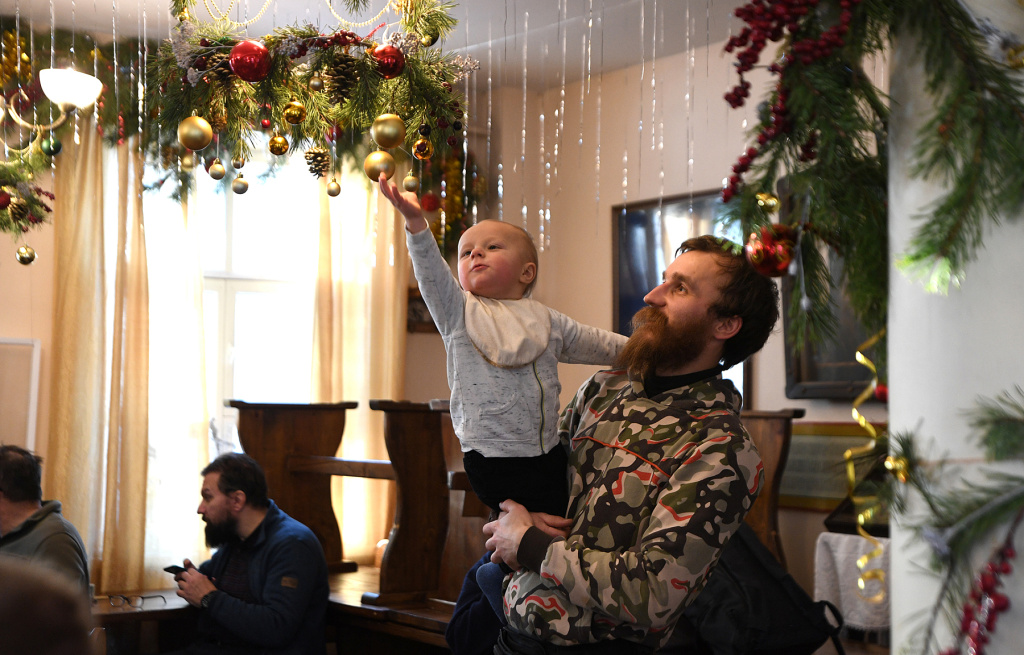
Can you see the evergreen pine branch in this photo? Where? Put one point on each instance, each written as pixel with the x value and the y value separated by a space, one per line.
pixel 973 141
pixel 1001 423
pixel 429 17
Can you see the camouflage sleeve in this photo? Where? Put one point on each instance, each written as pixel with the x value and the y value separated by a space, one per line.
pixel 644 566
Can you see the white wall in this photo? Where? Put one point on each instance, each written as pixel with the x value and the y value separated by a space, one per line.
pixel 946 351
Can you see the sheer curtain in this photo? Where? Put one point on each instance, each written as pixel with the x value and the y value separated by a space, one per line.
pixel 359 342
pixel 98 443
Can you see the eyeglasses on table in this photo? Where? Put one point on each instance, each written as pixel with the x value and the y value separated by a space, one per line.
pixel 121 600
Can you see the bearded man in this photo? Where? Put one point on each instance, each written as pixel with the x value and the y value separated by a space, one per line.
pixel 661 472
pixel 265 589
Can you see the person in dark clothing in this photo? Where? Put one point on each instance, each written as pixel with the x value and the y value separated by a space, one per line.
pixel 32 529
pixel 474 625
pixel 265 589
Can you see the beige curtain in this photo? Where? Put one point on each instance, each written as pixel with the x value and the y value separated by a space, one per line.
pixel 359 342
pixel 99 405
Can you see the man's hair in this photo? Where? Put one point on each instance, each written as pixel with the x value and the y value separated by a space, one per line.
pixel 746 294
pixel 239 472
pixel 21 474
pixel 41 612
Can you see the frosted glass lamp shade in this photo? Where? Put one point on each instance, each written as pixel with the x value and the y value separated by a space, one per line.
pixel 68 88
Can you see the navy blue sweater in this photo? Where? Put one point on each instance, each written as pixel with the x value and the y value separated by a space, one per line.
pixel 287 578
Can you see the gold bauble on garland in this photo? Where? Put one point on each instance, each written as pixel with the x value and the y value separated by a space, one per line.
pixel 378 162
pixel 423 149
pixel 333 188
pixel 237 163
pixel 767 201
pixel 294 112
pixel 195 133
pixel 316 84
pixel 217 170
pixel 239 185
pixel 25 255
pixel 187 162
pixel 411 183
pixel 388 131
pixel 428 38
pixel 278 144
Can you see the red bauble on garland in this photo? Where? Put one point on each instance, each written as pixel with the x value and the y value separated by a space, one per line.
pixel 390 61
pixel 772 251
pixel 250 60
pixel 429 202
pixel 5 200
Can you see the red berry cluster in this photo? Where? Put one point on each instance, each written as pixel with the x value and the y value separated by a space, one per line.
pixel 442 123
pixel 769 20
pixel 984 604
pixel 339 38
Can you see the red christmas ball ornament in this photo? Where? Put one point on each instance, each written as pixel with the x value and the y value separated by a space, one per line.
pixel 430 202
pixel 334 133
pixel 265 123
pixel 772 251
pixel 5 200
pixel 882 392
pixel 390 61
pixel 250 60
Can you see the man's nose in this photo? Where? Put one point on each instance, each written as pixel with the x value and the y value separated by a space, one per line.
pixel 656 296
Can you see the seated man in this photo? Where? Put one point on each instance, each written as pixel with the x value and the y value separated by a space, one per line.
pixel 265 589
pixel 33 529
pixel 662 471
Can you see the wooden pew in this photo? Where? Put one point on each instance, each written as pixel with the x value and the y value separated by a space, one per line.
pixel 436 537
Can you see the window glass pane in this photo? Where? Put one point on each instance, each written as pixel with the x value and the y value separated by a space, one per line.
pixel 272 344
pixel 275 225
pixel 211 213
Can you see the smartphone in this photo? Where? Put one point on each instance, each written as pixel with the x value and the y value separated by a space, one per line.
pixel 174 569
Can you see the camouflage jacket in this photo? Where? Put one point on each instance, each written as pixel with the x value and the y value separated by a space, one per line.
pixel 657 487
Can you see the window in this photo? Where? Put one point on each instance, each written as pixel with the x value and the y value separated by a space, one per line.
pixel 258 253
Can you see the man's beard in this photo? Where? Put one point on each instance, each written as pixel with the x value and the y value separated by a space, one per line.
pixel 222 533
pixel 656 344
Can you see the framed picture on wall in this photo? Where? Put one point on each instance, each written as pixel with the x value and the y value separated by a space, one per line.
pixel 645 237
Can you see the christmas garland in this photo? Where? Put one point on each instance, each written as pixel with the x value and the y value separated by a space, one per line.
pixel 319 92
pixel 823 134
pixel 961 520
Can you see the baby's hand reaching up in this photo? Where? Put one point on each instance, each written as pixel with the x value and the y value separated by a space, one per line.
pixel 406 203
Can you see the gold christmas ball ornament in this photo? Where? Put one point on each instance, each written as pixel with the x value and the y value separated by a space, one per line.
pixel 388 131
pixel 187 162
pixel 429 38
pixel 767 201
pixel 423 149
pixel 217 170
pixel 378 162
pixel 278 144
pixel 195 133
pixel 237 163
pixel 333 188
pixel 25 255
pixel 316 84
pixel 411 183
pixel 239 185
pixel 294 112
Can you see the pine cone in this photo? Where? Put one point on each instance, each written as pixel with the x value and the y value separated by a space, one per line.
pixel 218 68
pixel 319 160
pixel 342 77
pixel 218 121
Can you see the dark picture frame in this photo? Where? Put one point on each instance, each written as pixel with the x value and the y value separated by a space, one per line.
pixel 645 236
pixel 827 370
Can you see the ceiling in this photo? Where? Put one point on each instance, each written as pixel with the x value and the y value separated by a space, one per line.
pixel 589 36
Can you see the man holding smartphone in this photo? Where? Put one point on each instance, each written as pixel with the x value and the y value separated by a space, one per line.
pixel 265 589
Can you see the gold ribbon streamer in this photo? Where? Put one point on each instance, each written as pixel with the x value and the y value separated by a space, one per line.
pixel 869 502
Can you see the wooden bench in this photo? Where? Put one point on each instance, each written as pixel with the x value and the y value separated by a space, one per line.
pixel 405 605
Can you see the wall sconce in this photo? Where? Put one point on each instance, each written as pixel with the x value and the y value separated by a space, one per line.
pixel 66 88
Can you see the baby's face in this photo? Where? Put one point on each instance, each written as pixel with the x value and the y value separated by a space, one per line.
pixel 492 262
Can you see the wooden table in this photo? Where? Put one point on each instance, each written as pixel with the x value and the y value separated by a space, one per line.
pixel 164 621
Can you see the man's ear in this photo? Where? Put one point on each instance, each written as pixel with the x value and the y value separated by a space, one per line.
pixel 726 328
pixel 529 273
pixel 237 499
